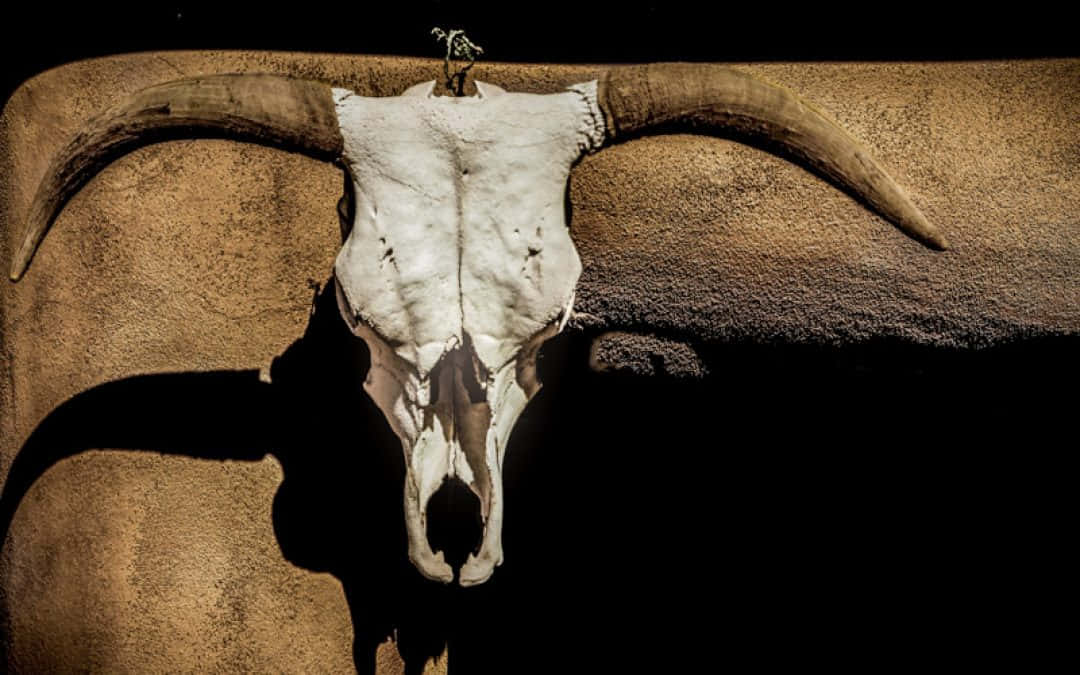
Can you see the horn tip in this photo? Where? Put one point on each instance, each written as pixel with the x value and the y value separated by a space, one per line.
pixel 936 240
pixel 917 226
pixel 21 261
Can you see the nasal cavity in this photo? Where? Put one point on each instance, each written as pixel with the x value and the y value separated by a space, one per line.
pixel 454 525
pixel 472 372
pixel 473 375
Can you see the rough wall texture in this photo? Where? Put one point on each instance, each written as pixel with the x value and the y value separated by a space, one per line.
pixel 196 256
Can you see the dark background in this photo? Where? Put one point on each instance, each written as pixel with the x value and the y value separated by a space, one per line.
pixel 867 505
pixel 41 35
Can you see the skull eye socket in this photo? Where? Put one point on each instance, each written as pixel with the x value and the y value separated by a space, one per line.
pixel 346 207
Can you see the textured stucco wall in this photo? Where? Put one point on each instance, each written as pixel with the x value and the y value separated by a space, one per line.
pixel 196 256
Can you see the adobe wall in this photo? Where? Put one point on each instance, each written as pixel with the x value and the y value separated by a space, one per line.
pixel 197 257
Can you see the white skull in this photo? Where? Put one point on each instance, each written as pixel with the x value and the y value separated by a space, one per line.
pixel 457 266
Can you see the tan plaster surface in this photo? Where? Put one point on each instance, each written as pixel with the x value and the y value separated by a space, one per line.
pixel 196 256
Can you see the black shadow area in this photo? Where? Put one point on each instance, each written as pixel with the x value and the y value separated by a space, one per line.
pixel 857 507
pixel 849 507
pixel 339 507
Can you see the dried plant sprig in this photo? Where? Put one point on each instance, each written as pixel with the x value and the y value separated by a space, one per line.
pixel 459 47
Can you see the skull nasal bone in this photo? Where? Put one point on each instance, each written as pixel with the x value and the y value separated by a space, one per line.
pixel 472 372
pixel 463 362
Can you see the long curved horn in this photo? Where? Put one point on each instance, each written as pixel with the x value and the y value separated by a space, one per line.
pixel 273 110
pixel 705 98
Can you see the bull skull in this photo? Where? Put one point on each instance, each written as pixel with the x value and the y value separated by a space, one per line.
pixel 457 262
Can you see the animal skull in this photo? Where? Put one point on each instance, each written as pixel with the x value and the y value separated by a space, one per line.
pixel 457 263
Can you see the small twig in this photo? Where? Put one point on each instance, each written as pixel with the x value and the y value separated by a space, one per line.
pixel 457 47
